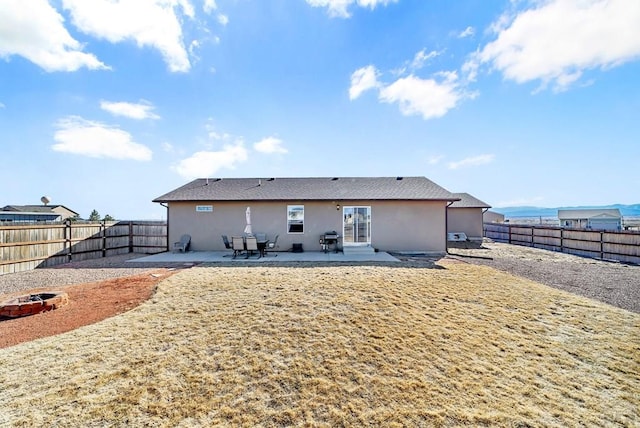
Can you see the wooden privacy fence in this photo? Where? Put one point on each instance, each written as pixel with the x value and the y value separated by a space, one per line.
pixel 26 247
pixel 623 246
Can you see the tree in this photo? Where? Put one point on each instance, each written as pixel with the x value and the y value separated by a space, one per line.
pixel 94 216
pixel 108 218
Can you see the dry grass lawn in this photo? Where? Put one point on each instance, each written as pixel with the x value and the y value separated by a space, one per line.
pixel 336 346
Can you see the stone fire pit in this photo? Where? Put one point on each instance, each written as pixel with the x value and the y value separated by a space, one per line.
pixel 32 304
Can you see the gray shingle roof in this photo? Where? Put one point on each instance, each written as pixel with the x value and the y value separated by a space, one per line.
pixel 588 213
pixel 34 208
pixel 298 189
pixel 468 201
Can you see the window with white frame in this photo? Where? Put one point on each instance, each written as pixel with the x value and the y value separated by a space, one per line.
pixel 295 219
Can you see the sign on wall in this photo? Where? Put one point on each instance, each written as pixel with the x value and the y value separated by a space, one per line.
pixel 204 208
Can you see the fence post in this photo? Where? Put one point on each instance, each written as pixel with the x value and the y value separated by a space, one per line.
pixel 601 245
pixel 561 240
pixel 67 238
pixel 509 234
pixel 533 229
pixel 131 236
pixel 103 233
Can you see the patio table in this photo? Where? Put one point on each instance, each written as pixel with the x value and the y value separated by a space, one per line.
pixel 262 247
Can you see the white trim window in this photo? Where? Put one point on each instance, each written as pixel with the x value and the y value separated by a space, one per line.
pixel 295 218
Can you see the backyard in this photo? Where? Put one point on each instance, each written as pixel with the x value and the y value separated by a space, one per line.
pixel 434 344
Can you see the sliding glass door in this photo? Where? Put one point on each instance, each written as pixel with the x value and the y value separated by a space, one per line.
pixel 356 229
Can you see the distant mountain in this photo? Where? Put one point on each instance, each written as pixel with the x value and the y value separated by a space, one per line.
pixel 625 210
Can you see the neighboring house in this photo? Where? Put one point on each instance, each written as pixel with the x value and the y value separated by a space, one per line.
pixel 465 216
pixel 492 217
pixel 597 219
pixel 35 213
pixel 385 213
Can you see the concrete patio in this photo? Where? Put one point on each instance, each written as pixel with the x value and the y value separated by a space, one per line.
pixel 271 257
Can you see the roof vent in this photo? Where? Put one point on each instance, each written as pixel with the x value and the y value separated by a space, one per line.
pixel 259 182
pixel 335 179
pixel 271 179
pixel 399 178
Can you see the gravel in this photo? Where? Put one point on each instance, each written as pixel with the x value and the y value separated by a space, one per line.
pixel 76 273
pixel 613 283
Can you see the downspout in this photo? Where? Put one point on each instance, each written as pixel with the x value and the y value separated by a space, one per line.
pixel 167 207
pixel 484 211
pixel 446 226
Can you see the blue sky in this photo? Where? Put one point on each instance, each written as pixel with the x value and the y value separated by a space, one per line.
pixel 107 104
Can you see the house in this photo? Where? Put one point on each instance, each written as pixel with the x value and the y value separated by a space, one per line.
pixel 492 217
pixel 35 213
pixel 386 213
pixel 465 216
pixel 597 219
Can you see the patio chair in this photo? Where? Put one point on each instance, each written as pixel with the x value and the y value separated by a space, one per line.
pixel 251 246
pixel 183 244
pixel 273 244
pixel 237 243
pixel 227 245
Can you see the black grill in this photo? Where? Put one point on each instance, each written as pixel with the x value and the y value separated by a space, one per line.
pixel 329 239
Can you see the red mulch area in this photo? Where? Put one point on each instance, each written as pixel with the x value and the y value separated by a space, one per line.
pixel 88 304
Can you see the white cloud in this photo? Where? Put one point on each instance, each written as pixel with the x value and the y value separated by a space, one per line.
pixel 339 8
pixel 141 110
pixel 223 19
pixel 557 41
pixel 193 47
pixel 168 147
pixel 470 69
pixel 472 161
pixel 362 79
pixel 207 163
pixel 187 7
pixel 153 23
pixel 35 30
pixel 88 138
pixel 430 98
pixel 209 6
pixel 2 105
pixel 418 61
pixel 421 57
pixel 214 134
pixel 270 145
pixel 468 32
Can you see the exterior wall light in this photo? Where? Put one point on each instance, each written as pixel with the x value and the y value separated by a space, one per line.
pixel 338 207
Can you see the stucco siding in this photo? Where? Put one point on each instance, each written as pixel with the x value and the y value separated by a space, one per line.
pixel 409 226
pixel 395 225
pixel 466 220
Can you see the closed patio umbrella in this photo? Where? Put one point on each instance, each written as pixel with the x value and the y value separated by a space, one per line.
pixel 247 229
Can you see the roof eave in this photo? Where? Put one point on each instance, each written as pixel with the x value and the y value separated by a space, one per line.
pixel 167 200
